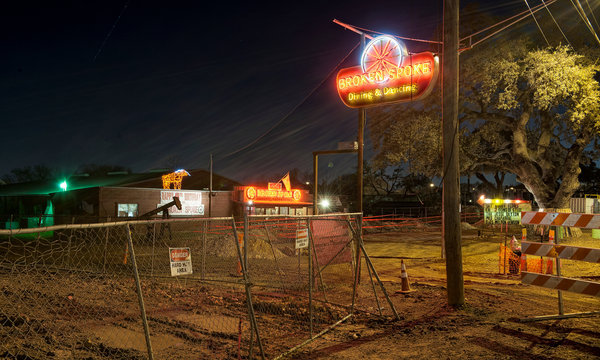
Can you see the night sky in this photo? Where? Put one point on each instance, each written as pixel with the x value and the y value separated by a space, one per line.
pixel 178 80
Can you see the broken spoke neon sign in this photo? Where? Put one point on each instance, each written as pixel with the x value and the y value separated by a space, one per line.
pixel 388 73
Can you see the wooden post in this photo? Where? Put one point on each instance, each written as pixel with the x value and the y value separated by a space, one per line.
pixel 561 309
pixel 361 133
pixel 451 190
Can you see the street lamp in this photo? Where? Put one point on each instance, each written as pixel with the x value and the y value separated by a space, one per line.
pixel 325 204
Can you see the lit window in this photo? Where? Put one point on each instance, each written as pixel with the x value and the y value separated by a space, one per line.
pixel 127 210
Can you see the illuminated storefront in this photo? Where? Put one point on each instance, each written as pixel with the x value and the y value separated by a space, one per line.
pixel 121 196
pixel 503 211
pixel 276 199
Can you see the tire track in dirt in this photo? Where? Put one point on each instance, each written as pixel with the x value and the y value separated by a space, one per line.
pixel 502 348
pixel 404 328
pixel 553 343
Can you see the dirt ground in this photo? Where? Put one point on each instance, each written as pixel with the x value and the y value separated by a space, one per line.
pixel 488 326
pixel 48 315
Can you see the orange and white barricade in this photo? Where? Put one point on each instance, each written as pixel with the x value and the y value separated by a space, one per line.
pixel 558 252
pixel 583 221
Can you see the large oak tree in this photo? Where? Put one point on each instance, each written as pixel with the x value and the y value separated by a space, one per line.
pixel 531 112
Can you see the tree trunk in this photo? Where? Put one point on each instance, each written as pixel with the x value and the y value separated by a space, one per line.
pixel 538 177
pixel 543 194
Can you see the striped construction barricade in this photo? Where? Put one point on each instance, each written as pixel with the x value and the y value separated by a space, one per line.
pixel 583 221
pixel 562 251
pixel 558 252
pixel 561 283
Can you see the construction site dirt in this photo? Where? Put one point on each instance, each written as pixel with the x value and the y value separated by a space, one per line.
pixel 489 326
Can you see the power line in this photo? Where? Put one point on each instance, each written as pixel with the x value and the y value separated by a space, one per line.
pixel 585 19
pixel 523 15
pixel 535 9
pixel 357 28
pixel 559 28
pixel 538 8
pixel 592 12
pixel 295 107
pixel 536 22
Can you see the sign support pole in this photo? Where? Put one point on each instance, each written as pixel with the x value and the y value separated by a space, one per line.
pixel 361 132
pixel 210 188
pixel 315 183
pixel 451 189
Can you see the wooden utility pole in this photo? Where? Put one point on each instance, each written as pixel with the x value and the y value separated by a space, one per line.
pixel 361 134
pixel 451 190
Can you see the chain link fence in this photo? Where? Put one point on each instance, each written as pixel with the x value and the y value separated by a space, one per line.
pixel 308 274
pixel 182 288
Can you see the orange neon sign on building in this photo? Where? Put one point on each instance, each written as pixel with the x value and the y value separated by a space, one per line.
pixel 388 73
pixel 275 193
pixel 175 178
pixel 257 194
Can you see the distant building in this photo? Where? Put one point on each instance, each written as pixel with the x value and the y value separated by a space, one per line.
pixel 121 195
pixel 113 196
pixel 590 204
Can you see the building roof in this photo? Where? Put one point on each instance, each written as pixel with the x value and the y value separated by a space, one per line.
pixel 198 180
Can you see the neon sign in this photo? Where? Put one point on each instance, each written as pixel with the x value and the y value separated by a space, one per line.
pixel 388 73
pixel 174 178
pixel 279 192
pixel 254 194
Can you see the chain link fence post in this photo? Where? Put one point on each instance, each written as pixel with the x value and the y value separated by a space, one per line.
pixel 247 286
pixel 139 293
pixel 105 250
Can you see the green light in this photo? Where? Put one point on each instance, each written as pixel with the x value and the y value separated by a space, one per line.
pixel 63 185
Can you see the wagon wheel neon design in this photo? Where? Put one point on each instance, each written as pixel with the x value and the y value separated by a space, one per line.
pixel 382 54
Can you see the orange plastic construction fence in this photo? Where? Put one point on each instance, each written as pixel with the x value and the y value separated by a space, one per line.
pixel 511 263
pixel 537 264
pixel 508 262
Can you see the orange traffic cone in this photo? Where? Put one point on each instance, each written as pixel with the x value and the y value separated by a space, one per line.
pixel 404 277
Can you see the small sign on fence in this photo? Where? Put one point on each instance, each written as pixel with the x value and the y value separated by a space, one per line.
pixel 302 238
pixel 181 261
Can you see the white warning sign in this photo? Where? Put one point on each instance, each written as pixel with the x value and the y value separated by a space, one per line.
pixel 302 238
pixel 191 202
pixel 181 261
